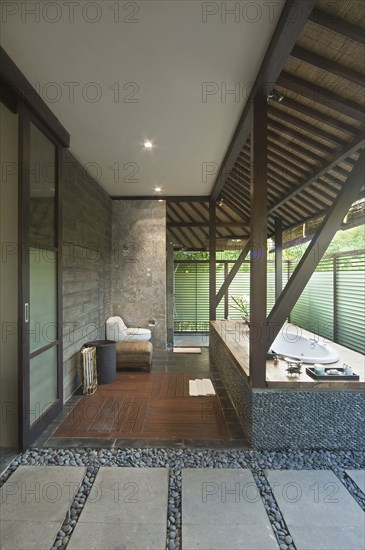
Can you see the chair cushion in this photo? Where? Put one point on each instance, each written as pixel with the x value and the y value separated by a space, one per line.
pixel 134 352
pixel 115 329
pixel 137 334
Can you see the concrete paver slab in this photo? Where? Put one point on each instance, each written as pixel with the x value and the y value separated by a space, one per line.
pixel 223 509
pixel 118 536
pixel 318 510
pixel 126 509
pixel 28 535
pixel 34 503
pixel 358 476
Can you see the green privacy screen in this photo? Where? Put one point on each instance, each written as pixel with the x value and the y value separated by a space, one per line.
pixel 332 304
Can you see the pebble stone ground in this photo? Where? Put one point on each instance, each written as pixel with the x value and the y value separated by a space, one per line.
pixel 176 460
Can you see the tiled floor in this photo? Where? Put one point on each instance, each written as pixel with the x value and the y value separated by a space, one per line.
pixel 186 340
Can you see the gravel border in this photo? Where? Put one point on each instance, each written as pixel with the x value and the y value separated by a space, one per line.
pixel 176 460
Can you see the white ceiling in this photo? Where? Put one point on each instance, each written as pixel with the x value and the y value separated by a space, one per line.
pixel 168 54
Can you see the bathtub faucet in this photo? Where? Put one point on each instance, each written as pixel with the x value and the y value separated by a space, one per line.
pixel 313 343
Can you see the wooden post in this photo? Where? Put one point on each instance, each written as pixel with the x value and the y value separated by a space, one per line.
pixel 258 258
pixel 278 257
pixel 212 260
pixel 226 296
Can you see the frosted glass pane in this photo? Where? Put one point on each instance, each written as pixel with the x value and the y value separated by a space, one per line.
pixel 42 324
pixel 43 383
pixel 42 178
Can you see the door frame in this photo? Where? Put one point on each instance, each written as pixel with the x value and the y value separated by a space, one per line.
pixel 28 433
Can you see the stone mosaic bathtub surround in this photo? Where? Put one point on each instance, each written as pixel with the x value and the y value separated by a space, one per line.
pixel 289 418
pixel 176 459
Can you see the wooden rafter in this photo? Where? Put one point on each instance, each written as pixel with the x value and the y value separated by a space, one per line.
pixel 303 125
pixel 338 25
pixel 322 96
pixel 327 65
pixel 293 18
pixel 303 109
pixel 353 147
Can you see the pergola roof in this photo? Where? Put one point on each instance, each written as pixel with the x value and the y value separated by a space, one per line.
pixel 315 132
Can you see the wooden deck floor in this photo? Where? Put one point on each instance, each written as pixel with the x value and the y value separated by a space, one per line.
pixel 146 406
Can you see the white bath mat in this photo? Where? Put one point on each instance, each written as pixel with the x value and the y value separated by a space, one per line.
pixel 202 387
pixel 187 350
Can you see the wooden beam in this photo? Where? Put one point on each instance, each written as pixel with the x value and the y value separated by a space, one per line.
pixel 315 251
pixel 231 275
pixel 338 25
pixel 226 294
pixel 322 96
pixel 278 257
pixel 328 65
pixel 258 257
pixel 25 91
pixel 293 18
pixel 212 260
pixel 357 144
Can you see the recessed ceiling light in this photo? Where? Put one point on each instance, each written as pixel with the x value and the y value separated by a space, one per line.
pixel 158 189
pixel 148 145
pixel 160 200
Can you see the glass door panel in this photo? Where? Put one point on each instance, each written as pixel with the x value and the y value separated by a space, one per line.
pixel 42 181
pixel 41 284
pixel 43 298
pixel 43 383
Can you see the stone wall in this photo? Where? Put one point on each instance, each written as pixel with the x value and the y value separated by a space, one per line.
pixel 86 265
pixel 234 380
pixel 139 265
pixel 327 419
pixel 275 419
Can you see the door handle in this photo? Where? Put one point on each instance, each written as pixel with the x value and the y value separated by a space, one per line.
pixel 26 313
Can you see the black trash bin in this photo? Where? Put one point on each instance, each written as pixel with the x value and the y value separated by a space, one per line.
pixel 106 360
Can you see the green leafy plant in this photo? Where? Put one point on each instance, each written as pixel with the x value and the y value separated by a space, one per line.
pixel 242 304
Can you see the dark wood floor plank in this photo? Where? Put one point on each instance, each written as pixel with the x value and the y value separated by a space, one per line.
pixel 157 378
pixel 103 421
pixel 179 385
pixel 147 406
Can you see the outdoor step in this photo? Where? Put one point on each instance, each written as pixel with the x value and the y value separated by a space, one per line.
pixel 126 508
pixel 34 503
pixel 319 511
pixel 223 509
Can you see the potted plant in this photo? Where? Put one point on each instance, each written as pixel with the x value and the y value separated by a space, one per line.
pixel 242 304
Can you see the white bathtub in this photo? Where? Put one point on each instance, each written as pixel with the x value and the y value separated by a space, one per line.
pixel 293 345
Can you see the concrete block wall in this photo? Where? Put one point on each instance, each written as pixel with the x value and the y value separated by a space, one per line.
pixel 139 265
pixel 86 265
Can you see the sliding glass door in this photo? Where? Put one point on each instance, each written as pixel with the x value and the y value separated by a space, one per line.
pixel 40 279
